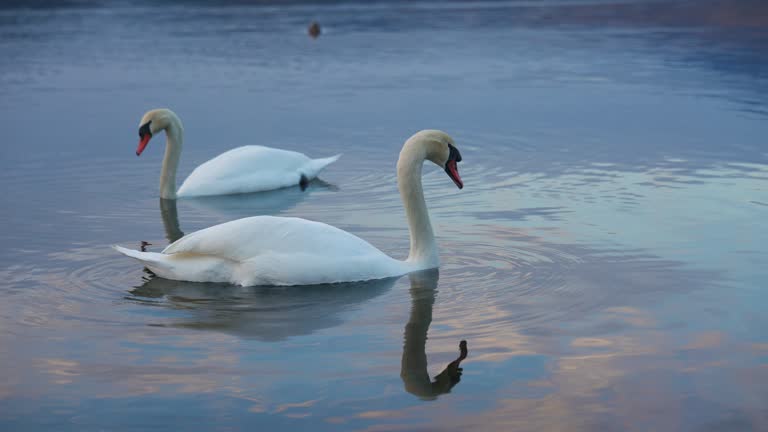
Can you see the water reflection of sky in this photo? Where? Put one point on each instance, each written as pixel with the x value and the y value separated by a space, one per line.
pixel 604 263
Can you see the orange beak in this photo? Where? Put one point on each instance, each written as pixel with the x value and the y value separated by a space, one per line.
pixel 143 144
pixel 453 172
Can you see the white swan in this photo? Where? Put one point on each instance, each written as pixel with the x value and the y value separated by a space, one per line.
pixel 243 169
pixel 267 250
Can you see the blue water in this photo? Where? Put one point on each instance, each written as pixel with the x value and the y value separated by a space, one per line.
pixel 605 262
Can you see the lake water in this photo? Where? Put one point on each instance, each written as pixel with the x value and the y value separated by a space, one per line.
pixel 605 262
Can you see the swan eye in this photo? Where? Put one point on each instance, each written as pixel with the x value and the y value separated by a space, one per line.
pixel 144 129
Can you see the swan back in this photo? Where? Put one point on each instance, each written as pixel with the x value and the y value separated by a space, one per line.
pixel 243 239
pixel 268 250
pixel 251 168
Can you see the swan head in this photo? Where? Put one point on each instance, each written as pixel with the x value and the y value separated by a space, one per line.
pixel 151 123
pixel 438 147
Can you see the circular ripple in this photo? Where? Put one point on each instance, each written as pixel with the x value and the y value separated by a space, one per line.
pixel 518 282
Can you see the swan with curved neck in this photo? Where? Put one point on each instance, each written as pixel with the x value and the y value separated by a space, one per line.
pixel 240 170
pixel 267 250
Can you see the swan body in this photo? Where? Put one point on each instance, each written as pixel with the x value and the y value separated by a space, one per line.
pixel 240 170
pixel 251 168
pixel 268 250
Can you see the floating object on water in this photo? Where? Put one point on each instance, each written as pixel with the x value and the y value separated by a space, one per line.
pixel 314 29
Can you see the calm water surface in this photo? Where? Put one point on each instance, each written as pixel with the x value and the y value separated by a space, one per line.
pixel 605 262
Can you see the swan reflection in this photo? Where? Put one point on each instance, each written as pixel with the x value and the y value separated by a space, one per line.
pixel 413 367
pixel 272 202
pixel 264 313
pixel 170 216
pixel 277 313
pixel 239 205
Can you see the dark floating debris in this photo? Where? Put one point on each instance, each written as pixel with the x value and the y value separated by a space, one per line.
pixel 314 30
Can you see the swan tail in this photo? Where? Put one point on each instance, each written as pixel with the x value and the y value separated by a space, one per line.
pixel 184 267
pixel 149 259
pixel 314 166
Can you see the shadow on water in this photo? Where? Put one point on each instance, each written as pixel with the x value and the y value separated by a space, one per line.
pixel 264 313
pixel 413 369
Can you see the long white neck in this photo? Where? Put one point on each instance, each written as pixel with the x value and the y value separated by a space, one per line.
pixel 423 253
pixel 174 133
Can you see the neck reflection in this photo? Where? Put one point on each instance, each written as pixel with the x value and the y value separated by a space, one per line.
pixel 413 368
pixel 170 219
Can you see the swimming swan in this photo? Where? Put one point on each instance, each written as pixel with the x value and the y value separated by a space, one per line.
pixel 267 250
pixel 244 169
